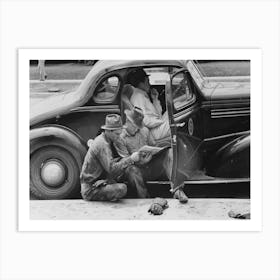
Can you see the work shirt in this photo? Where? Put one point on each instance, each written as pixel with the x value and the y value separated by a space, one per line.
pixel 131 143
pixel 101 162
pixel 152 111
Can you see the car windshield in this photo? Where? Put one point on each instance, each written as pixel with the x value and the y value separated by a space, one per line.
pixel 223 68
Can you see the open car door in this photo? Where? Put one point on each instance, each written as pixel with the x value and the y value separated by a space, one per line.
pixel 183 113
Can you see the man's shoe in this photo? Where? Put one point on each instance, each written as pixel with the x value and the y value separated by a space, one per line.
pixel 181 196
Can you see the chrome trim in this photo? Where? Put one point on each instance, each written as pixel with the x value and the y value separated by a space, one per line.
pixel 209 181
pixel 218 181
pixel 227 136
pixel 108 108
pixel 230 112
pixel 181 115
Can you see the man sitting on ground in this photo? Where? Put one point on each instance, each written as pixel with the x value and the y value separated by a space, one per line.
pixel 102 166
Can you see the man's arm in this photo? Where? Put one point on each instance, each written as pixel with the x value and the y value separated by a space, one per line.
pixel 121 146
pixel 150 120
pixel 150 139
pixel 113 167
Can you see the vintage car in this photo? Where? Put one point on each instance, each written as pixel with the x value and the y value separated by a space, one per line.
pixel 208 104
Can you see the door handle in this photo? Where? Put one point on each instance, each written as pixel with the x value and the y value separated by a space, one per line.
pixel 178 124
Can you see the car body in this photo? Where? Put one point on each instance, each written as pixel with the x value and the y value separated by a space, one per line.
pixel 209 118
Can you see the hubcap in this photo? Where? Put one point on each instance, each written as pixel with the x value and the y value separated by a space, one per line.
pixel 53 173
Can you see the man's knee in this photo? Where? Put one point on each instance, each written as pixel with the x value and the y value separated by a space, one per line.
pixel 133 170
pixel 118 191
pixel 121 190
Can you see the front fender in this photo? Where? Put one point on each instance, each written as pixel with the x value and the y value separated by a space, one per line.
pixel 57 135
pixel 232 160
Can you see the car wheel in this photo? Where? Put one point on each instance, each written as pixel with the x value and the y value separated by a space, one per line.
pixel 54 173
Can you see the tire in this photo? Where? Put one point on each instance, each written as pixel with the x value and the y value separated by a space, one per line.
pixel 46 160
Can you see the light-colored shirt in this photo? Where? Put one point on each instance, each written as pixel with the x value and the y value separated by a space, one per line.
pixel 100 160
pixel 152 111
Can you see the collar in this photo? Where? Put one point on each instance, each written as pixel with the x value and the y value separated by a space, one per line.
pixel 142 92
pixel 105 138
pixel 130 134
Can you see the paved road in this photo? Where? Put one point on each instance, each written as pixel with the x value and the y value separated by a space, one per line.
pixel 195 209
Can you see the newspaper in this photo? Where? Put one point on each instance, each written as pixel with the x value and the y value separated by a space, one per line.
pixel 151 150
pixel 147 152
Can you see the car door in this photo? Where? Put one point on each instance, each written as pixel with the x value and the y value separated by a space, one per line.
pixel 183 110
pixel 87 119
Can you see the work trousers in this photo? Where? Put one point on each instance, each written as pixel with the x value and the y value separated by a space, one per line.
pixel 159 168
pixel 112 191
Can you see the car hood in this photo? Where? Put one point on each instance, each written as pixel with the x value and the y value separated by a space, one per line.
pixel 222 87
pixel 219 89
pixel 42 108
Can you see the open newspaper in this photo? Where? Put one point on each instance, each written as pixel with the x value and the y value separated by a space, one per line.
pixel 151 149
pixel 148 152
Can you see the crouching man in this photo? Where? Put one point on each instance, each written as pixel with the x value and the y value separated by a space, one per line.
pixel 134 136
pixel 102 166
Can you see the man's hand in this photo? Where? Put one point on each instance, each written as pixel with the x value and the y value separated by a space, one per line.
pixel 135 157
pixel 145 157
pixel 154 94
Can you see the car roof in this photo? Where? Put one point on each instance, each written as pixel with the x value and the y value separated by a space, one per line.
pixel 110 65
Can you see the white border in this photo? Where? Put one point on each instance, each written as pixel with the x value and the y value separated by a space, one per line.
pixel 254 224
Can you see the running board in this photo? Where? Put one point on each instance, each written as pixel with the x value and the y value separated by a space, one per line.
pixel 206 182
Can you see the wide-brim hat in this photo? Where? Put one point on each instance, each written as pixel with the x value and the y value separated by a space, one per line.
pixel 135 115
pixel 113 122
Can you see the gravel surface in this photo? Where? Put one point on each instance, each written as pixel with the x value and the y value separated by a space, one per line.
pixel 195 209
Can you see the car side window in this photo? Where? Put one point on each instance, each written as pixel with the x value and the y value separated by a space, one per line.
pixel 181 90
pixel 107 90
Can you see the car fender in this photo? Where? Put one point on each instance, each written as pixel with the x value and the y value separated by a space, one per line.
pixel 233 159
pixel 57 135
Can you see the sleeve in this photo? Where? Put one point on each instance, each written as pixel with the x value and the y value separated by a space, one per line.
pixel 150 120
pixel 157 103
pixel 151 140
pixel 121 147
pixel 149 137
pixel 114 167
pixel 88 167
pixel 138 101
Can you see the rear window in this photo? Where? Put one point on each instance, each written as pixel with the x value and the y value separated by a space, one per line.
pixel 223 68
pixel 107 90
pixel 157 75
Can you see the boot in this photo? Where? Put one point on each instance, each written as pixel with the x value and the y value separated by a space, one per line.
pixel 181 196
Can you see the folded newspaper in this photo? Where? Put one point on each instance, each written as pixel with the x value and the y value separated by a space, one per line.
pixel 152 150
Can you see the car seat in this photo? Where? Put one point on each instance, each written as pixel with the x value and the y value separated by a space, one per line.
pixel 126 94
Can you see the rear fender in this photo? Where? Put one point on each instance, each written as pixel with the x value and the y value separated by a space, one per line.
pixel 232 160
pixel 56 135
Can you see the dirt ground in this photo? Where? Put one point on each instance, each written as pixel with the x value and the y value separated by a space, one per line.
pixel 195 209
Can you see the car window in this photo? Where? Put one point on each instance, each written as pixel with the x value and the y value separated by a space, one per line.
pixel 181 90
pixel 107 90
pixel 157 75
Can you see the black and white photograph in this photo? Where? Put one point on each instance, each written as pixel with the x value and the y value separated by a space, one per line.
pixel 140 139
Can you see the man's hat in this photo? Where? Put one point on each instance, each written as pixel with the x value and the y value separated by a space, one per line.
pixel 112 122
pixel 136 75
pixel 135 115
